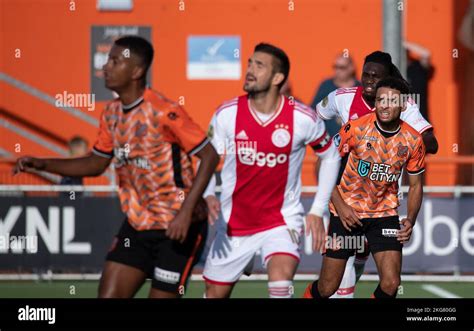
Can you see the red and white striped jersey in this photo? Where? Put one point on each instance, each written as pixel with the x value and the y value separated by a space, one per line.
pixel 348 105
pixel 261 176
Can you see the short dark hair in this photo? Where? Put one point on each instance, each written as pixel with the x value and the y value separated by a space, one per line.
pixel 282 63
pixel 140 47
pixel 394 83
pixel 77 140
pixel 385 59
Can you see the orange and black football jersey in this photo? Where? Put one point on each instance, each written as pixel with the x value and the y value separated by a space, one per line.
pixel 369 182
pixel 151 141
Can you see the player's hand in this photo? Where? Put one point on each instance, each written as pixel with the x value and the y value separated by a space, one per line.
pixel 348 216
pixel 179 226
pixel 404 234
pixel 315 226
pixel 27 163
pixel 214 207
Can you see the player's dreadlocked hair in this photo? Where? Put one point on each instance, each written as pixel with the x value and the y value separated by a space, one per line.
pixel 386 60
pixel 141 48
pixel 282 63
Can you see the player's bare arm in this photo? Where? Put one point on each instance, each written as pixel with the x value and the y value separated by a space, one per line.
pixel 91 165
pixel 430 141
pixel 327 177
pixel 178 228
pixel 415 197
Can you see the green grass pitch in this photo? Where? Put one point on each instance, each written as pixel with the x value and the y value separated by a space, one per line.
pixel 244 289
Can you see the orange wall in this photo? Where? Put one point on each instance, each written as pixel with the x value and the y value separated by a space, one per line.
pixel 436 31
pixel 55 48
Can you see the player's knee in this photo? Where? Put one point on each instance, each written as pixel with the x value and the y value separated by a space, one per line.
pixel 281 267
pixel 282 273
pixel 110 293
pixel 216 292
pixel 390 284
pixel 327 288
pixel 109 290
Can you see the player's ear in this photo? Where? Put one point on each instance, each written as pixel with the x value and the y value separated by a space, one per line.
pixel 278 78
pixel 138 72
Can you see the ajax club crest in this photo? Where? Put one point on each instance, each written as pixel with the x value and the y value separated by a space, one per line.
pixel 281 136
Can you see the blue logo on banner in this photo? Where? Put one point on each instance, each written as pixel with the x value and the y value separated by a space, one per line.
pixel 214 57
pixel 363 168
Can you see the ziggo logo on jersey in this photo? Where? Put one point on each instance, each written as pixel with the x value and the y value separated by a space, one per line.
pixel 250 156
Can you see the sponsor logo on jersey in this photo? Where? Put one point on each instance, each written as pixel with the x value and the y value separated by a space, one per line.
pixel 250 156
pixel 166 276
pixel 363 168
pixel 389 232
pixel 402 150
pixel 242 135
pixel 370 138
pixel 377 172
pixel 281 137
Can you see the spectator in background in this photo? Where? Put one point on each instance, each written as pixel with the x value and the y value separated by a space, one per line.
pixel 419 72
pixel 78 147
pixel 344 76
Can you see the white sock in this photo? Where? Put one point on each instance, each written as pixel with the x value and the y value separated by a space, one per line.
pixel 281 289
pixel 347 286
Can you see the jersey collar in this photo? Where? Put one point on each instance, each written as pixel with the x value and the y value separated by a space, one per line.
pixel 129 107
pixel 386 134
pixel 271 118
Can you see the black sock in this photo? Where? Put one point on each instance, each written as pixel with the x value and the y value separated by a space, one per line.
pixel 380 294
pixel 315 292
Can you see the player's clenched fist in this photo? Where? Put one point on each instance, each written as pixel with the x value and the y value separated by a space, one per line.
pixel 28 163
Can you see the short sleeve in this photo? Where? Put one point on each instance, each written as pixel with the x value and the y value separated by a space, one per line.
pixel 416 162
pixel 189 135
pixel 327 108
pixel 104 145
pixel 216 135
pixel 412 116
pixel 344 140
